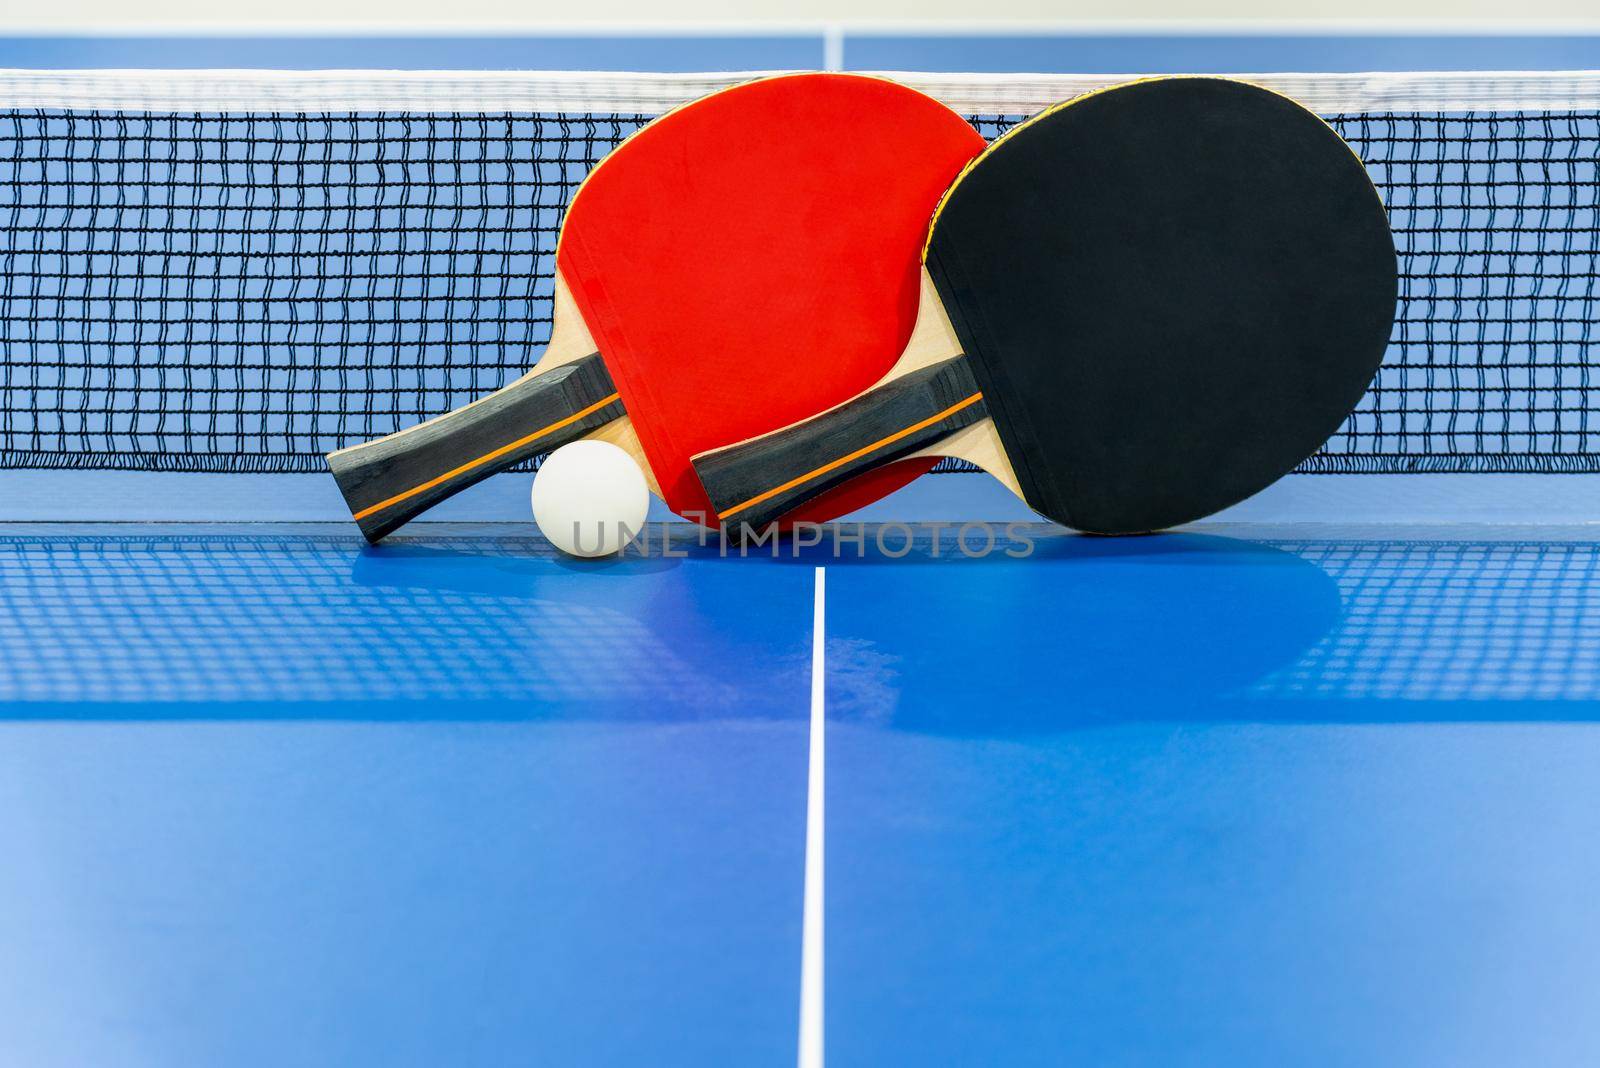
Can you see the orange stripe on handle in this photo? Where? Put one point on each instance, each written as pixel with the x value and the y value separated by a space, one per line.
pixel 850 457
pixel 486 458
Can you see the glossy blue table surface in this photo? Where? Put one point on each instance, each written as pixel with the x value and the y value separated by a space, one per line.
pixel 1239 796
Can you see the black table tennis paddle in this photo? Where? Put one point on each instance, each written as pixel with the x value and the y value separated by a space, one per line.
pixel 1138 308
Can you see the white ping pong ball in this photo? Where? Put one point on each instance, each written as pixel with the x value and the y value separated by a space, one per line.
pixel 590 498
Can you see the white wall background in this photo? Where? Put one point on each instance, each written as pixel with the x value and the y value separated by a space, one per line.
pixel 466 15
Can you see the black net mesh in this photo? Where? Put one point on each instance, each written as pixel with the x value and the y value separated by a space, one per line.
pixel 203 292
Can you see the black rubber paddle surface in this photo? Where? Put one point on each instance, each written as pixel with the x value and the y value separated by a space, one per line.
pixel 1171 293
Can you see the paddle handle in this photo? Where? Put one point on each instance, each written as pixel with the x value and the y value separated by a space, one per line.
pixel 390 481
pixel 753 483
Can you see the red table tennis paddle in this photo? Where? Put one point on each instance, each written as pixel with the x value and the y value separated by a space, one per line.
pixel 741 262
pixel 1138 308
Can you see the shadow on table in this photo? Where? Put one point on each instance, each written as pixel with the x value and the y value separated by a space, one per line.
pixel 1078 632
pixel 1188 627
pixel 319 626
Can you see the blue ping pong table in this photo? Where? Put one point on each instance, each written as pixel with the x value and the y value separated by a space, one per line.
pixel 1245 795
pixel 1241 795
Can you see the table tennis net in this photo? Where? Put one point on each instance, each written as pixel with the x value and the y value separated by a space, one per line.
pixel 241 271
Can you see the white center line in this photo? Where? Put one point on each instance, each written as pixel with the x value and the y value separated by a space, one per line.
pixel 811 924
pixel 833 47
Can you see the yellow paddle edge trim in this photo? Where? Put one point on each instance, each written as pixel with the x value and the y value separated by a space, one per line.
pixel 847 458
pixel 487 457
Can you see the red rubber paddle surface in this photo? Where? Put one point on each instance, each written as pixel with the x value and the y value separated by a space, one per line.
pixel 793 212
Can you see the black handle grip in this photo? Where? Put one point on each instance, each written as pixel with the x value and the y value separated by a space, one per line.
pixel 390 481
pixel 753 483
